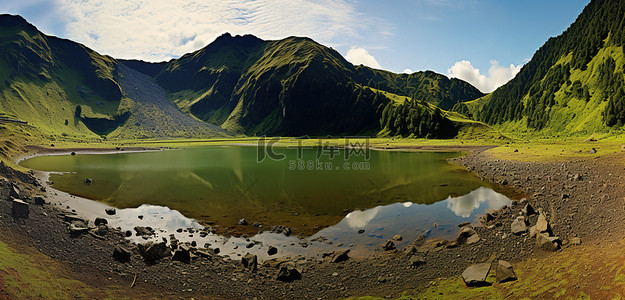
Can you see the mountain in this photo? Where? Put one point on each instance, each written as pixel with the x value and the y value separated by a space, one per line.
pixel 292 87
pixel 573 84
pixel 64 89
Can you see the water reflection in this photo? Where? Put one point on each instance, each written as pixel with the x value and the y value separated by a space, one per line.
pixel 379 224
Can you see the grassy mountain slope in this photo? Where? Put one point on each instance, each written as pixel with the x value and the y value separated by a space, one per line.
pixel 293 86
pixel 573 84
pixel 66 90
pixel 44 79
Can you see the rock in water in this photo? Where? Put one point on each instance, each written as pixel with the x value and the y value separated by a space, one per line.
pixel 144 231
pixel 250 261
pixel 504 272
pixel 88 180
pixel 519 226
pixel 288 273
pixel 272 250
pixel 110 211
pixel 99 221
pixel 546 242
pixel 121 254
pixel 475 275
pixel 389 245
pixel 242 222
pixel 398 237
pixel 20 209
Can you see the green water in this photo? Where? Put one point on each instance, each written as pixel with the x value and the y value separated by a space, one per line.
pixel 222 184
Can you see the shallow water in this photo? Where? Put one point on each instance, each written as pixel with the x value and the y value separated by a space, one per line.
pixel 319 196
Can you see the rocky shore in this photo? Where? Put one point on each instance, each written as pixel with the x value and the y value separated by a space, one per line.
pixel 566 204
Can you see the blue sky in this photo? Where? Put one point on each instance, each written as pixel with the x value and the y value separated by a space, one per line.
pixel 482 41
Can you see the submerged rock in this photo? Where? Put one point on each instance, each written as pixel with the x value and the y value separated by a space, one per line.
pixel 272 250
pixel 110 211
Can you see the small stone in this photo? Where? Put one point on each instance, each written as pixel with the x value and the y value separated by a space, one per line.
pixel 575 241
pixel 99 221
pixel 288 273
pixel 416 260
pixel 519 226
pixel 389 245
pixel 39 200
pixel 546 242
pixel 110 211
pixel 182 254
pixel 88 180
pixel 397 237
pixel 242 222
pixel 361 231
pixel 542 225
pixel 272 250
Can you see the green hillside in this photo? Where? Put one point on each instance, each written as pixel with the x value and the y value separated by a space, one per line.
pixel 293 86
pixel 574 83
pixel 59 87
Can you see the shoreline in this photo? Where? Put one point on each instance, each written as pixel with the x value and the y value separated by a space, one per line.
pixel 549 186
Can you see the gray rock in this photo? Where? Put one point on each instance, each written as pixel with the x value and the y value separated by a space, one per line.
pixel 533 231
pixel 473 239
pixel 288 273
pixel 20 209
pixel 504 272
pixel 250 261
pixel 152 251
pixel 110 211
pixel 99 221
pixel 546 242
pixel 542 225
pixel 337 256
pixel 475 275
pixel 464 234
pixel 389 245
pixel 416 260
pixel 121 254
pixel 272 250
pixel 519 226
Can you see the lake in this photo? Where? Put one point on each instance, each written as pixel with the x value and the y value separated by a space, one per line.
pixel 316 190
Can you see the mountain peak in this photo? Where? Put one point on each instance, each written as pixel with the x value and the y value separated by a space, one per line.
pixel 7 20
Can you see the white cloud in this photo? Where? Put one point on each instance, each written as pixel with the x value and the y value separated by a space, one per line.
pixel 360 56
pixel 407 71
pixel 497 75
pixel 158 30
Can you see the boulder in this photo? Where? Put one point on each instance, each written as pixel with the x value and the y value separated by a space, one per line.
pixel 464 235
pixel 389 245
pixel 272 250
pixel 250 261
pixel 288 273
pixel 20 209
pixel 416 260
pixel 182 254
pixel 153 251
pixel 337 256
pixel 143 231
pixel 528 210
pixel 100 221
pixel 110 211
pixel 39 200
pixel 542 225
pixel 121 254
pixel 504 272
pixel 475 275
pixel 519 226
pixel 546 242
